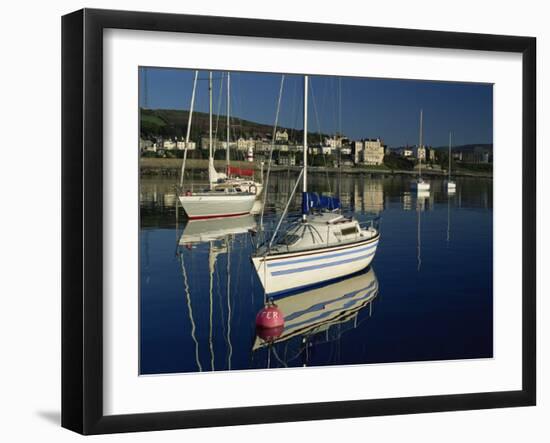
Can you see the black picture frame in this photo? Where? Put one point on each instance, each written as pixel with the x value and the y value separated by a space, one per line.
pixel 82 218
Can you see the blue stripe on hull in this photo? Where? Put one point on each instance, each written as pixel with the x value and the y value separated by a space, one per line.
pixel 322 265
pixel 338 254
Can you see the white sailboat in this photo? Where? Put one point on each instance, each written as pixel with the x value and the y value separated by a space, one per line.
pixel 419 184
pixel 320 247
pixel 450 184
pixel 239 178
pixel 224 200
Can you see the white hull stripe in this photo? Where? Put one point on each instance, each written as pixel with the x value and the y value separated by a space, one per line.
pixel 321 266
pixel 338 254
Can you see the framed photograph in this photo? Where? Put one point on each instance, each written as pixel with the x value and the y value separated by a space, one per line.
pixel 270 221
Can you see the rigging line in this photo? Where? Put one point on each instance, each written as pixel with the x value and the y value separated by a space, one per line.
pixel 236 109
pixel 240 250
pixel 188 133
pixel 219 106
pixel 283 215
pixel 319 132
pixel 220 301
pixel 266 185
pixel 335 107
pixel 340 105
pixel 294 112
pixel 212 267
pixel 190 311
pixel 229 306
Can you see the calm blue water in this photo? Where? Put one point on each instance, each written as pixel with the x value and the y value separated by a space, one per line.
pixel 433 270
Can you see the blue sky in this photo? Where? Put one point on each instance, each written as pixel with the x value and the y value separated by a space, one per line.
pixel 370 108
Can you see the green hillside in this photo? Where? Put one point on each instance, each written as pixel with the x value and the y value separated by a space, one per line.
pixel 173 123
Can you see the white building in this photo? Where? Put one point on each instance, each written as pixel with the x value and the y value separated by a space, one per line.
pixel 368 152
pixel 334 143
pixel 405 152
pixel 281 136
pixel 358 147
pixel 180 144
pixel 146 145
pixel 169 144
pixel 246 144
pixel 287 160
pixel 346 150
pixel 420 153
pixel 373 152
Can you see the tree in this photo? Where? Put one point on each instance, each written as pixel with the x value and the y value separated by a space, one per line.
pixel 394 161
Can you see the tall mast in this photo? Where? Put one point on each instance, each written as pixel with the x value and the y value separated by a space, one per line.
pixel 188 134
pixel 450 142
pixel 304 216
pixel 228 119
pixel 420 147
pixel 210 157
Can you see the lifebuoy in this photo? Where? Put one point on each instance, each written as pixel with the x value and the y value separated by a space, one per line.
pixel 252 189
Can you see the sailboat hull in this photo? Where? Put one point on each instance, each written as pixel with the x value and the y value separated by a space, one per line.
pixel 281 274
pixel 213 205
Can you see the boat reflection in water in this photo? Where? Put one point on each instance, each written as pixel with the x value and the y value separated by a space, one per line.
pixel 219 235
pixel 314 317
pixel 196 231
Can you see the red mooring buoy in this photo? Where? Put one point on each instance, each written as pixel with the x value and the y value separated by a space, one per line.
pixel 269 334
pixel 270 322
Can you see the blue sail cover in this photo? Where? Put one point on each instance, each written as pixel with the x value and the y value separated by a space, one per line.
pixel 312 200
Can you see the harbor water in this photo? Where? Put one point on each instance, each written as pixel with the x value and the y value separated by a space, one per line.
pixel 428 294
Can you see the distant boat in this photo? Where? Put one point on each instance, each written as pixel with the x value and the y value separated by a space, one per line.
pixel 316 310
pixel 419 184
pixel 224 200
pixel 451 185
pixel 322 245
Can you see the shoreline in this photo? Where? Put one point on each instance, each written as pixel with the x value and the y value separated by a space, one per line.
pixel 171 167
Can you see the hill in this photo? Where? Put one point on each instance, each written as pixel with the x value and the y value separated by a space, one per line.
pixel 173 123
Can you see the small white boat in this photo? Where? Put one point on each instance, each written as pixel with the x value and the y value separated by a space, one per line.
pixel 419 184
pixel 316 310
pixel 449 184
pixel 321 246
pixel 217 201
